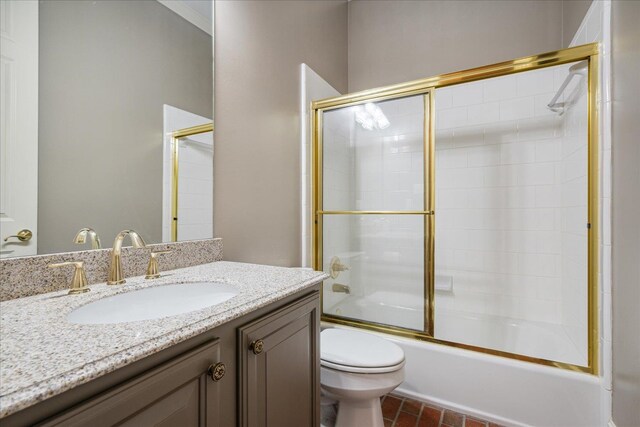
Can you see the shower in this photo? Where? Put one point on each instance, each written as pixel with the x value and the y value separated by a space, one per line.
pixel 462 209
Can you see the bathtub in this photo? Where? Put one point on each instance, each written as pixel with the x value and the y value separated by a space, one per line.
pixel 536 339
pixel 503 390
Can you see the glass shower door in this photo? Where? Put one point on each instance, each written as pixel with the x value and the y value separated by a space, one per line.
pixel 511 187
pixel 372 213
pixel 508 157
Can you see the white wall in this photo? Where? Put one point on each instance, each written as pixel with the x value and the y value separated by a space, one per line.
pixel 312 88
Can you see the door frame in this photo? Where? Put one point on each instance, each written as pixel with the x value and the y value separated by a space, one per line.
pixel 19 40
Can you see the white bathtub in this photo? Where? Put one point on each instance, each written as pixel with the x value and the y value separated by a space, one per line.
pixel 536 339
pixel 499 389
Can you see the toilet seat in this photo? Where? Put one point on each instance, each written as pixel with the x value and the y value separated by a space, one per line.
pixel 357 370
pixel 357 352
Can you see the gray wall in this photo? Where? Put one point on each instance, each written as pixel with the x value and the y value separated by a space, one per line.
pixel 259 48
pixel 573 12
pixel 396 41
pixel 626 212
pixel 106 68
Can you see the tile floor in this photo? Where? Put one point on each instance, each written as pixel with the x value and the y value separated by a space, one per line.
pixel 398 411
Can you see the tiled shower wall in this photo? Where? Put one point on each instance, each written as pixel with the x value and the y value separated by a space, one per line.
pixel 195 187
pixel 499 199
pixel 511 201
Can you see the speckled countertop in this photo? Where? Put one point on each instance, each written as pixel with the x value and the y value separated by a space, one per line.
pixel 42 354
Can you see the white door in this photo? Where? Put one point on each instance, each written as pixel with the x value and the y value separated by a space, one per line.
pixel 18 127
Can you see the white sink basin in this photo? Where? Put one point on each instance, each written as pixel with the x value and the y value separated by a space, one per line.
pixel 153 303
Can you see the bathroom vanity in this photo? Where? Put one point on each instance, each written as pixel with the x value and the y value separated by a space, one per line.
pixel 210 367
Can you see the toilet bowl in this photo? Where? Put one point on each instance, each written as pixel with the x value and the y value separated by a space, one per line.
pixel 356 369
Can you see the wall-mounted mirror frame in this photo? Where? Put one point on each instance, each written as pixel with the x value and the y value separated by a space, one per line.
pixel 107 70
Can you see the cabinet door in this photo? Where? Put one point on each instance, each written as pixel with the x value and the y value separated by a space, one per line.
pixel 177 393
pixel 280 367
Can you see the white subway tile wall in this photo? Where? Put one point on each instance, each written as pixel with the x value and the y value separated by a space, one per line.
pixel 195 187
pixel 511 206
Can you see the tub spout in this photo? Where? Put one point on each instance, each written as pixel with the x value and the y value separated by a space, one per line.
pixel 338 287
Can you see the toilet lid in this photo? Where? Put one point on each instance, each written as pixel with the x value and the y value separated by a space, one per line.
pixel 354 351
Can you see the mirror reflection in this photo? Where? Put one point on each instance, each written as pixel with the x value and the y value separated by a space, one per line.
pixel 97 100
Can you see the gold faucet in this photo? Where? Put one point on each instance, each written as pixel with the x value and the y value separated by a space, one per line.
pixel 81 237
pixel 153 272
pixel 79 280
pixel 115 270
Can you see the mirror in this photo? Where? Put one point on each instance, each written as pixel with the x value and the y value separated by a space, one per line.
pixel 106 123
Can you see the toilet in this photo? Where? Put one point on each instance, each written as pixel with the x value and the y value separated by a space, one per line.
pixel 356 369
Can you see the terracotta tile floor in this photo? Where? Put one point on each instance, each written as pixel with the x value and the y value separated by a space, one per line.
pixel 398 411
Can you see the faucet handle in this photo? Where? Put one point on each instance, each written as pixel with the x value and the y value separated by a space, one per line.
pixel 336 266
pixel 79 279
pixel 152 269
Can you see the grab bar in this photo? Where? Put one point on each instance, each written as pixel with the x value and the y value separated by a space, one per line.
pixel 575 69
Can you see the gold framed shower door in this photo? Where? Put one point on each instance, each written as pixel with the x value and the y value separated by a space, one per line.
pixel 426 88
pixel 175 166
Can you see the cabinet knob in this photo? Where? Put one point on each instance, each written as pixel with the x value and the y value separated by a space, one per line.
pixel 217 371
pixel 257 346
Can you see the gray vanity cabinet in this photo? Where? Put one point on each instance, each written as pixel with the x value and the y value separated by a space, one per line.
pixel 180 392
pixel 271 378
pixel 280 369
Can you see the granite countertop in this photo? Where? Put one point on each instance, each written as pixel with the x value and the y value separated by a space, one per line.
pixel 42 354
